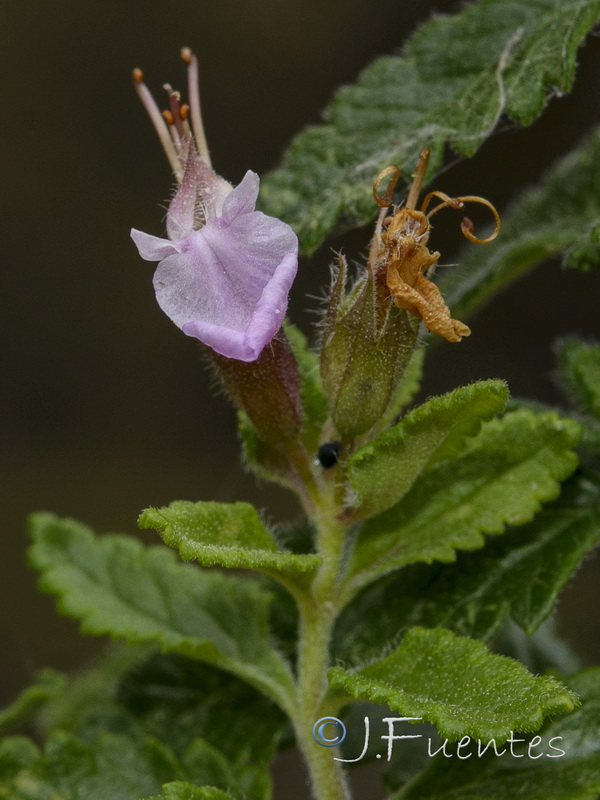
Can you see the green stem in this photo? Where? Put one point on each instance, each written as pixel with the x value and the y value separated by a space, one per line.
pixel 327 777
pixel 306 486
pixel 317 617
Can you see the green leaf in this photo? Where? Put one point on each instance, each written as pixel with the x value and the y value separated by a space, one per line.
pixel 458 685
pixel 113 767
pixel 185 791
pixel 590 427
pixel 16 753
pixel 117 587
pixel 561 217
pixel 520 574
pixel 168 697
pixel 585 253
pixel 579 364
pixel 539 559
pixel 456 77
pixel 176 699
pixel 545 776
pixel 207 766
pixel 501 479
pixel 47 684
pixel 383 471
pixel 229 534
pixel 87 705
pixel 375 619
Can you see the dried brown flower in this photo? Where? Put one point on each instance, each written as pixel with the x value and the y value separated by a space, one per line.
pixel 399 250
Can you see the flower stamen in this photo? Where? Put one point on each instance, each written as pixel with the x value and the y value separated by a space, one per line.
pixel 159 123
pixel 418 177
pixel 175 103
pixel 181 123
pixel 194 94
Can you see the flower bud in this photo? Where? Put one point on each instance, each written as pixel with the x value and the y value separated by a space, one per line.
pixel 367 343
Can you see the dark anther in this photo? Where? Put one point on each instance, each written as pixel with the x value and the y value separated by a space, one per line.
pixel 328 454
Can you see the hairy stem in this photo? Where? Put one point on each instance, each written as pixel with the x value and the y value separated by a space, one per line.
pixel 327 777
pixel 318 613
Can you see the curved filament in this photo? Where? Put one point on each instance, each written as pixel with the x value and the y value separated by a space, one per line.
pixel 418 178
pixel 385 200
pixel 466 225
pixel 448 202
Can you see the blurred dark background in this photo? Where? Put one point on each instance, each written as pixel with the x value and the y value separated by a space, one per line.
pixel 104 404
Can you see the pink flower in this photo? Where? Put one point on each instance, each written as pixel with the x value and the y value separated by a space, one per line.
pixel 225 269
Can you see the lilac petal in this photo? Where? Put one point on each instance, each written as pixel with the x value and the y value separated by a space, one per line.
pixel 266 320
pixel 152 248
pixel 226 341
pixel 272 306
pixel 228 286
pixel 201 194
pixel 242 199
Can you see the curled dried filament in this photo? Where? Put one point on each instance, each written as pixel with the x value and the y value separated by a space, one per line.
pixel 400 249
pixel 466 226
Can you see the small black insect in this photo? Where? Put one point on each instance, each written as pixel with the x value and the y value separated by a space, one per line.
pixel 328 454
